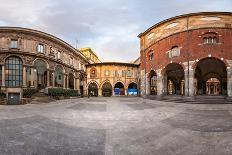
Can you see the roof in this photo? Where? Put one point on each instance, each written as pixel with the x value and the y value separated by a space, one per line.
pixel 114 63
pixel 43 34
pixel 181 16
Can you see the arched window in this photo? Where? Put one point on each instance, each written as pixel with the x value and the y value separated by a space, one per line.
pixel 151 56
pixel 174 52
pixel 210 38
pixel 93 72
pixel 14 72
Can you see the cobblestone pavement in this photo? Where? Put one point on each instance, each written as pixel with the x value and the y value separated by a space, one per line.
pixel 116 126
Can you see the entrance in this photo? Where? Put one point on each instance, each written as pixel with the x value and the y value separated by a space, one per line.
pixel 132 89
pixel 119 89
pixel 106 89
pixel 213 86
pixel 41 73
pixel 13 98
pixel 93 89
pixel 211 77
pixel 174 79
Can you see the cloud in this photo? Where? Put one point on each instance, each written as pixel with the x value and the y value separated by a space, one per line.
pixel 109 27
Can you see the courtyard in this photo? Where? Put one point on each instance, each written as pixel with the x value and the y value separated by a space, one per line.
pixel 116 125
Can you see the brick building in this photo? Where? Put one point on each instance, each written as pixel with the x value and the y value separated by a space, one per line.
pixel 188 55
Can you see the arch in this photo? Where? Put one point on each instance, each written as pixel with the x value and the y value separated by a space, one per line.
pixel 106 89
pixel 15 55
pixel 93 89
pixel 40 72
pixel 132 88
pixel 119 88
pixel 118 82
pixel 61 67
pixel 174 79
pixel 39 59
pixel 209 68
pixel 13 71
pixel 93 81
pixel 203 58
pixel 59 77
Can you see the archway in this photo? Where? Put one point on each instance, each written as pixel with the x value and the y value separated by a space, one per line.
pixel 93 89
pixel 119 89
pixel 153 83
pixel 211 77
pixel 71 81
pixel 174 79
pixel 106 89
pixel 132 89
pixel 41 73
pixel 59 78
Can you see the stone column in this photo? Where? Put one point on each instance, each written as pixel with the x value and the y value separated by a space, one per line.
pixel 3 76
pixel 24 77
pixel 32 77
pixel 53 80
pixel 48 78
pixel 74 83
pixel 64 81
pixel 189 79
pixel 160 86
pixel 126 92
pixel 67 82
pixel 147 86
pixel 84 87
pixel 99 92
pixel 142 86
pixel 78 85
pixel 229 82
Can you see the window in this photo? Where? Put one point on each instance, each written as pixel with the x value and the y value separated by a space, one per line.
pixel 116 73
pixel 210 38
pixel 151 56
pixel 58 55
pixel 71 60
pixel 107 73
pixel 123 73
pixel 129 73
pixel 174 52
pixel 82 67
pixel 14 43
pixel 93 72
pixel 40 48
pixel 14 72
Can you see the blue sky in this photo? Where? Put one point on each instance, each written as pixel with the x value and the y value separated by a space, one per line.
pixel 109 27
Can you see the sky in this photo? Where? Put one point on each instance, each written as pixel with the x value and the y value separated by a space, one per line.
pixel 109 27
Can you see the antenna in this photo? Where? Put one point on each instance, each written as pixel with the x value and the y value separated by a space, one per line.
pixel 77 42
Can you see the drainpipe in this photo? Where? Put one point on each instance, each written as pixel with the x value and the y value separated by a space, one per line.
pixel 188 50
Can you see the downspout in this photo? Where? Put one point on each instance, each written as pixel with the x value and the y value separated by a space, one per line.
pixel 188 50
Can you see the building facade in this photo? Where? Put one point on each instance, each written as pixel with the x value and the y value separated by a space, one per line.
pixel 90 55
pixel 188 55
pixel 112 79
pixel 34 59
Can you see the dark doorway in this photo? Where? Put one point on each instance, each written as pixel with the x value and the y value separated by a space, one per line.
pixel 106 89
pixel 119 89
pixel 93 89
pixel 211 77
